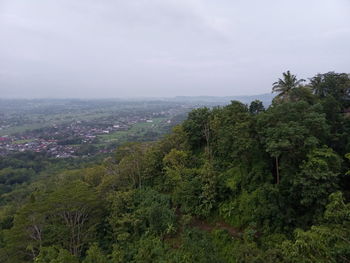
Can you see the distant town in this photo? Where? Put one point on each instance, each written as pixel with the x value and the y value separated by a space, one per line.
pixel 81 131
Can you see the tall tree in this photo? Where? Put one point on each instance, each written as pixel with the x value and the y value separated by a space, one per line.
pixel 285 85
pixel 332 84
pixel 66 217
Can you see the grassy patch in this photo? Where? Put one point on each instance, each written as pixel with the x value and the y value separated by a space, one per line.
pixel 22 141
pixel 137 129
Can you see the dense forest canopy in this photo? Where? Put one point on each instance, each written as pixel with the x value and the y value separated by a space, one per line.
pixel 238 183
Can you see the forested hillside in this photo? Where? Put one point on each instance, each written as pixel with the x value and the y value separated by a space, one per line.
pixel 238 183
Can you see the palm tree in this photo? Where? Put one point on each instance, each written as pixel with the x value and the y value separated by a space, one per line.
pixel 286 85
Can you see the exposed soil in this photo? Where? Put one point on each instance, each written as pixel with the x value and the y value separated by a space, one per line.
pixel 209 227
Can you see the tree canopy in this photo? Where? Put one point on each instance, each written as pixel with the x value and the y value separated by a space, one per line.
pixel 235 183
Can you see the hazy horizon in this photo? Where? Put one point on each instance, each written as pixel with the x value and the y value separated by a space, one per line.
pixel 152 49
pixel 269 94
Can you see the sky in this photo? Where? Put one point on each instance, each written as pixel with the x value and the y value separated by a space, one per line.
pixel 165 48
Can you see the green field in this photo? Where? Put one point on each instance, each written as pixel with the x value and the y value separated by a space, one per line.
pixel 40 121
pixel 137 129
pixel 21 128
pixel 22 141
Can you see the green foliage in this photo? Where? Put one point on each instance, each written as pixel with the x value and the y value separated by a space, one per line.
pixel 256 107
pixel 231 184
pixel 285 86
pixel 324 243
pixel 150 249
pixel 195 126
pixel 138 211
pixel 259 207
pixel 296 126
pixel 198 246
pixel 95 255
pixel 336 85
pixel 55 255
pixel 65 217
pixel 232 133
pixel 317 179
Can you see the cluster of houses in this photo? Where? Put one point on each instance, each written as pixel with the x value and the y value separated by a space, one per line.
pixel 62 141
pixel 12 144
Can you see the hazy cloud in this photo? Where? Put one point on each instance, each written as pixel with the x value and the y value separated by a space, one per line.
pixel 89 48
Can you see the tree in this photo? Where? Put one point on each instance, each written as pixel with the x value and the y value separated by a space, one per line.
pixel 302 93
pixel 256 107
pixel 324 243
pixel 285 85
pixel 197 127
pixel 66 217
pixel 333 91
pixel 134 212
pixel 232 138
pixel 74 212
pixel 95 255
pixel 317 179
pixel 25 239
pixel 55 255
pixel 332 84
pixel 130 166
pixel 289 131
pixel 151 250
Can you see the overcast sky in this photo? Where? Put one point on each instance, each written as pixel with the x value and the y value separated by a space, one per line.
pixel 114 48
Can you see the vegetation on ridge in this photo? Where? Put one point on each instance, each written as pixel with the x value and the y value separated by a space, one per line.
pixel 236 183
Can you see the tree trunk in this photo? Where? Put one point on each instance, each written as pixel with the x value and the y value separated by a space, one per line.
pixel 277 171
pixel 206 132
